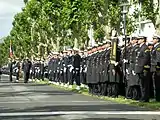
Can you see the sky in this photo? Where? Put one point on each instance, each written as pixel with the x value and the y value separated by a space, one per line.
pixel 8 8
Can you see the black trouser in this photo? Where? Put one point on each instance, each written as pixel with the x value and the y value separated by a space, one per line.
pixel 144 85
pixel 70 76
pixel 10 76
pixel 113 89
pixel 65 76
pixel 83 77
pixel 104 86
pixel 156 78
pixel 26 76
pixel 57 76
pixel 133 92
pixel 76 76
pixel 53 75
pixel 61 76
pixel 17 75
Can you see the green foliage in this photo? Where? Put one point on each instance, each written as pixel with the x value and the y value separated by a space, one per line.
pixel 149 11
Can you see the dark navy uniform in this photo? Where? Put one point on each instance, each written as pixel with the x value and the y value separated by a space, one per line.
pixel 76 65
pixel 155 68
pixel 27 67
pixel 142 69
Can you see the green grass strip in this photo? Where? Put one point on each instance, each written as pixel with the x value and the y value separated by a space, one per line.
pixel 121 99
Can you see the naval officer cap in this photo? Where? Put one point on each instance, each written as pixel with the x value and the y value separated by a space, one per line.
pixel 95 46
pixel 55 53
pixel 75 49
pixel 108 41
pixel 156 37
pixel 89 48
pixel 85 50
pixel 100 44
pixel 141 37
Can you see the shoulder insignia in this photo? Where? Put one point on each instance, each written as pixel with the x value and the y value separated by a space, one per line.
pixel 147 50
pixel 158 49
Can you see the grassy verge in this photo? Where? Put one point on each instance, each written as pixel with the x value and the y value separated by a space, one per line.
pixel 152 105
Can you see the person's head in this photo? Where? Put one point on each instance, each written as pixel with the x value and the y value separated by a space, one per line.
pixel 85 52
pixel 156 39
pixel 69 51
pixel 142 39
pixel 134 40
pixel 64 53
pixel 76 51
pixel 150 45
pixel 108 44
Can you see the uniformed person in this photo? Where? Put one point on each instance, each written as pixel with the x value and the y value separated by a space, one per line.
pixel 142 68
pixel 10 69
pixel 65 67
pixel 99 68
pixel 150 46
pixel 115 75
pixel 42 69
pixel 70 67
pixel 155 66
pixel 84 68
pixel 105 66
pixel 133 88
pixel 27 67
pixel 76 67
pixel 89 69
pixel 17 69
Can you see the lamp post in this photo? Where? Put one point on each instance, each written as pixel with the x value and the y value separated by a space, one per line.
pixel 124 13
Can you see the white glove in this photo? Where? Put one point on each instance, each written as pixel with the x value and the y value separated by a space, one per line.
pixel 70 69
pixel 85 70
pixel 133 72
pixel 65 69
pixel 81 69
pixel 116 63
pixel 127 71
pixel 113 71
pixel 17 70
pixel 125 61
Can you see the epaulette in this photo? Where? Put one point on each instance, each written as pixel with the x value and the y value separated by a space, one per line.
pixel 158 49
pixel 147 50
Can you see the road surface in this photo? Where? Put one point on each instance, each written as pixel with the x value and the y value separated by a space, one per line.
pixel 31 101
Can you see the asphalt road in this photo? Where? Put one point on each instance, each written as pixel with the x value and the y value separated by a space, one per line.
pixel 31 101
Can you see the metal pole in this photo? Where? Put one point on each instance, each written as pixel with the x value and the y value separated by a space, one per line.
pixel 125 42
pixel 139 17
pixel 124 20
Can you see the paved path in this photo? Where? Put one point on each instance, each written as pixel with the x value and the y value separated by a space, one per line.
pixel 19 101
